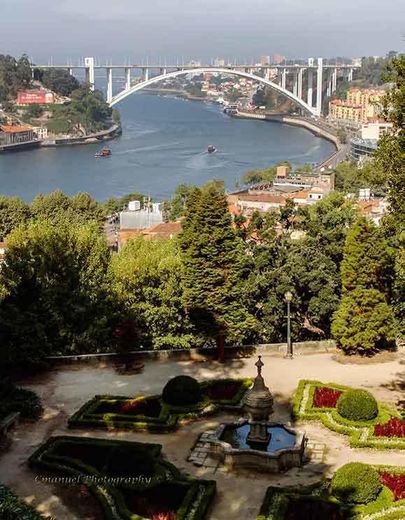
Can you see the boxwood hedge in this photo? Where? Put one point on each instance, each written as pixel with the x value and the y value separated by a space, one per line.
pixel 361 432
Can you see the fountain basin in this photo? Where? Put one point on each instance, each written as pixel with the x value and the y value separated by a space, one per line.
pixel 285 449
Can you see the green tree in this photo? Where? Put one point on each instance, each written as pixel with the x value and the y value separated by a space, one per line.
pixel 326 222
pixel 14 76
pixel 364 322
pixel 56 292
pixel 59 81
pixel 280 265
pixel 34 111
pixel 148 278
pixel 215 269
pixel 58 207
pixel 13 212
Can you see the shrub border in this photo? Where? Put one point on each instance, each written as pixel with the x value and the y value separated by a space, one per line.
pixel 194 505
pixel 169 416
pixel 361 433
pixel 20 508
pixel 276 500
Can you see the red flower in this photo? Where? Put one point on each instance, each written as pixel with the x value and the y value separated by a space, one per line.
pixel 163 515
pixel 396 483
pixel 393 428
pixel 325 397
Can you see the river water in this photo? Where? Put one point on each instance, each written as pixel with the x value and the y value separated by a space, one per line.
pixel 163 144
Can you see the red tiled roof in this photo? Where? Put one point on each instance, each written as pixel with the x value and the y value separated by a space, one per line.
pixel 10 129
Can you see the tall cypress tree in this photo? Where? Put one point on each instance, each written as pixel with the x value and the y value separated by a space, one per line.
pixel 364 321
pixel 216 267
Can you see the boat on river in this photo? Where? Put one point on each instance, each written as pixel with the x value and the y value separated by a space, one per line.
pixel 104 152
pixel 211 148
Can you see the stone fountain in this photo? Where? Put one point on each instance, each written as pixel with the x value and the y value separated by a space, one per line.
pixel 255 443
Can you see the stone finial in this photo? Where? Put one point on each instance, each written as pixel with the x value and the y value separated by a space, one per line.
pixel 259 363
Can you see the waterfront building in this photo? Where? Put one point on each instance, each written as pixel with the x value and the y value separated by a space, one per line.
pixel 375 130
pixel 302 188
pixel 16 134
pixel 360 149
pixel 41 132
pixel 360 106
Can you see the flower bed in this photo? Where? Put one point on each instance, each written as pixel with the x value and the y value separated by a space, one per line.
pixel 325 397
pixel 131 480
pixel 382 432
pixel 152 414
pixel 395 427
pixel 396 483
pixel 316 502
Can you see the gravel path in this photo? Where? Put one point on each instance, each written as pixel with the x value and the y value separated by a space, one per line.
pixel 65 389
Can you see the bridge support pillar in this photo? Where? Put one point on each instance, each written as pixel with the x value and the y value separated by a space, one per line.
pixel 295 83
pixel 71 71
pixel 267 74
pixel 145 74
pixel 310 87
pixel 329 84
pixel 350 77
pixel 127 78
pixel 319 87
pixel 89 64
pixel 283 78
pixel 334 80
pixel 109 85
pixel 299 87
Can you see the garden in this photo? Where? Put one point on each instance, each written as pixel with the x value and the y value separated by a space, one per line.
pixel 356 491
pixel 353 412
pixel 182 399
pixel 131 480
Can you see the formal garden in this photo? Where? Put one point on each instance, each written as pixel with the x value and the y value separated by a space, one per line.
pixel 134 456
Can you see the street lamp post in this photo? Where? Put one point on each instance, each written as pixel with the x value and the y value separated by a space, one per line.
pixel 288 297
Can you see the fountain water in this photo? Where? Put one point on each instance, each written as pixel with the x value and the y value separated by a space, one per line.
pixel 255 442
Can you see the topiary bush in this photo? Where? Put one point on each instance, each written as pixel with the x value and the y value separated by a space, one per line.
pixel 357 405
pixel 182 390
pixel 356 483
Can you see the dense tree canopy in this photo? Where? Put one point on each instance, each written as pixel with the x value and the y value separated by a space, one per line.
pixel 13 212
pixel 15 75
pixel 86 112
pixel 148 276
pixel 55 292
pixel 215 268
pixel 59 81
pixel 364 321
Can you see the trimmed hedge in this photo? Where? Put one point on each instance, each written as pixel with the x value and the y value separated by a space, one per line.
pixel 12 508
pixel 88 415
pixel 88 459
pixel 357 405
pixel 276 501
pixel 182 391
pixel 356 483
pixel 361 433
pixel 14 399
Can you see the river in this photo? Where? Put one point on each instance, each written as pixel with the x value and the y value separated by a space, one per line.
pixel 163 144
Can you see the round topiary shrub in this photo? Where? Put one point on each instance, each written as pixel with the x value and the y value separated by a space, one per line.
pixel 182 390
pixel 357 405
pixel 356 483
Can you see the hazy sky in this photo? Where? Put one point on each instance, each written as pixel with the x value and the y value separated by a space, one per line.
pixel 119 29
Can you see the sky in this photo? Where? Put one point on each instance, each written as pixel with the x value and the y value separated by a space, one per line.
pixel 136 30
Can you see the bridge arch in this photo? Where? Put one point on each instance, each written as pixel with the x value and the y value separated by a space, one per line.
pixel 139 86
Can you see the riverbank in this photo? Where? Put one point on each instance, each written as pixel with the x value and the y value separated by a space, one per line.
pixel 105 135
pixel 313 126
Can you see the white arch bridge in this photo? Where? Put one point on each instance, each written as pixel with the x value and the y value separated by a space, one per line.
pixel 273 76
